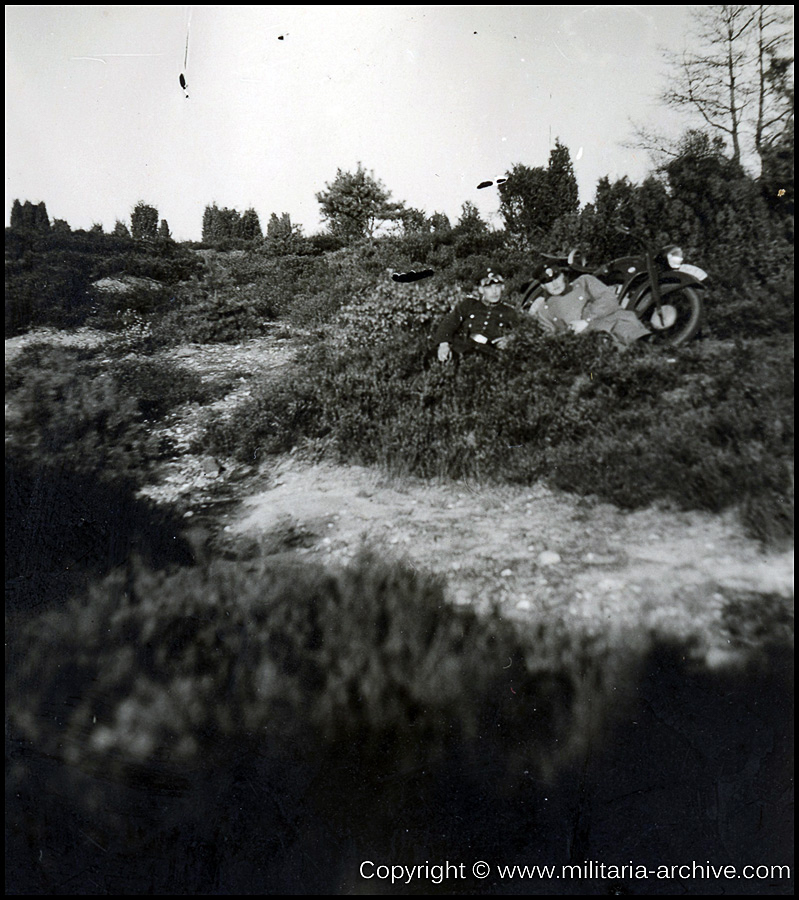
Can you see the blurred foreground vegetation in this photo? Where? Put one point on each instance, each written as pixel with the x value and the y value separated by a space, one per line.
pixel 265 726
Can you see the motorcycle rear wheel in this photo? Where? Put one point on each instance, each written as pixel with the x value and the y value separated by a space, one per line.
pixel 688 304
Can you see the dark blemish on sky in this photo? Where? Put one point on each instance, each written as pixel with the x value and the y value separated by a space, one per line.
pixel 485 184
pixel 405 277
pixel 184 85
pixel 280 37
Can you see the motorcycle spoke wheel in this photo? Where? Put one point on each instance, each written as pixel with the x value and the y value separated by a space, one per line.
pixel 688 321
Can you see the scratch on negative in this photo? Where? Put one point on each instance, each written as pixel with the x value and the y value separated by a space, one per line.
pixel 561 52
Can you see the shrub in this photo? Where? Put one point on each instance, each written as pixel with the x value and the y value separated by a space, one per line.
pixel 750 310
pixel 70 413
pixel 157 695
pixel 49 276
pixel 284 410
pixel 219 317
pixel 211 730
pixel 159 386
pixel 69 409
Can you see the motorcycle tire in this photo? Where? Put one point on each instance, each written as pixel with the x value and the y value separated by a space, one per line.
pixel 690 310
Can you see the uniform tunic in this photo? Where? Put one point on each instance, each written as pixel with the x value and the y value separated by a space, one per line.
pixel 474 325
pixel 588 299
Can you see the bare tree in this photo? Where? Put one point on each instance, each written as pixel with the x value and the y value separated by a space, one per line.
pixel 739 84
pixel 715 82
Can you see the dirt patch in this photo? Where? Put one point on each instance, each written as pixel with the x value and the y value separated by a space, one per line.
pixel 531 552
pixel 80 337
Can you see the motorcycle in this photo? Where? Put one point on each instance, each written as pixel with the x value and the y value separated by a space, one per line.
pixel 658 286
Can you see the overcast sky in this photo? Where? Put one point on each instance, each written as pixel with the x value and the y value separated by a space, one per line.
pixel 432 99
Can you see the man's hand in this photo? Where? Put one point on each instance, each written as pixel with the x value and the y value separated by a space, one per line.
pixel 578 326
pixel 443 352
pixel 502 342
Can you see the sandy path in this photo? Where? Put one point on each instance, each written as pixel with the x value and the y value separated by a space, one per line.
pixel 534 552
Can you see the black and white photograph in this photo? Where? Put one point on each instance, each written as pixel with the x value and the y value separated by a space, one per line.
pixel 399 445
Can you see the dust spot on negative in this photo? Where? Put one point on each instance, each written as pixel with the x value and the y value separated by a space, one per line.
pixel 405 277
pixel 498 181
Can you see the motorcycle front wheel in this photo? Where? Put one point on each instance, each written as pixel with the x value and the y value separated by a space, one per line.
pixel 688 307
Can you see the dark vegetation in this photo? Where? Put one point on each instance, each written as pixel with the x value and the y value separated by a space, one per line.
pixel 79 445
pixel 254 725
pixel 266 728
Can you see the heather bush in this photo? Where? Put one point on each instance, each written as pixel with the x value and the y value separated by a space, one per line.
pixel 157 697
pixel 200 316
pixel 283 410
pixel 49 276
pixel 70 408
pixel 51 291
pixel 72 413
pixel 395 311
pixel 116 302
pixel 79 441
pixel 159 386
pixel 210 730
pixel 751 309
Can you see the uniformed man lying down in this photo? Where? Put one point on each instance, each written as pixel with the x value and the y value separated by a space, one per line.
pixel 583 305
pixel 477 324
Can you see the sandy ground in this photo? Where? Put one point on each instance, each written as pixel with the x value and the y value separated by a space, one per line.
pixel 530 552
pixel 535 553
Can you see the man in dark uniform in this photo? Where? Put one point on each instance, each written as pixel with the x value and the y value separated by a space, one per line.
pixel 477 324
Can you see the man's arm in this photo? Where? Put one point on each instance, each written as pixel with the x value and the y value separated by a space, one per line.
pixel 449 325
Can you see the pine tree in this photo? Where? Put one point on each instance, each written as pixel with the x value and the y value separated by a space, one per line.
pixel 533 199
pixel 355 204
pixel 144 222
pixel 32 216
pixel 471 222
pixel 17 219
pixel 250 226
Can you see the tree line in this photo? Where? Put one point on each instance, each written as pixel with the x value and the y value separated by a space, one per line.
pixel 737 90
